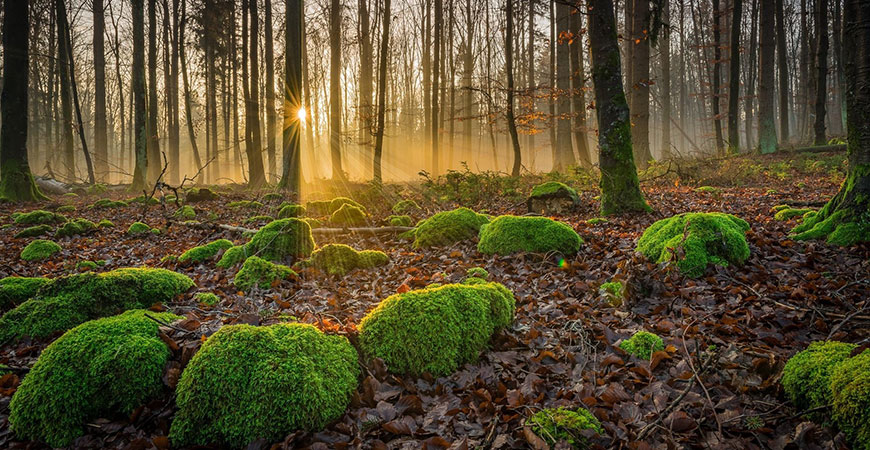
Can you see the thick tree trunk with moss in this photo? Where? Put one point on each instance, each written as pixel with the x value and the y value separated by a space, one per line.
pixel 620 189
pixel 16 182
pixel 845 219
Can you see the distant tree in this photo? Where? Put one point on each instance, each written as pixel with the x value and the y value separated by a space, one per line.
pixel 717 74
pixel 16 181
pixel 641 26
pixel 620 189
pixel 101 154
pixel 66 126
pixel 335 89
pixel 256 171
pixel 578 93
pixel 562 148
pixel 782 65
pixel 382 94
pixel 154 161
pixel 271 113
pixel 766 88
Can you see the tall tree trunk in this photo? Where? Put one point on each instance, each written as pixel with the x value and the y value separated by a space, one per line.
pixel 716 95
pixel 188 105
pixel 509 70
pixel 551 82
pixel 734 78
pixel 781 51
pixel 530 82
pixel 665 52
pixel 254 151
pixel 138 95
pixel 563 148
pixel 751 74
pixel 467 77
pixel 436 75
pixel 640 83
pixel 382 94
pixel 154 161
pixel 766 124
pixel 821 70
pixel 335 89
pixel 174 134
pixel 620 189
pixel 16 181
pixel 578 93
pixel 75 93
pixel 838 58
pixel 65 100
pixel 271 113
pixel 294 36
pixel 804 73
pixel 366 85
pixel 101 151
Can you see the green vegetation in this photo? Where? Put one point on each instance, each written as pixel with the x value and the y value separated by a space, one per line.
pixel 280 239
pixel 614 291
pixel 273 197
pixel 39 249
pixel 339 259
pixel 75 227
pixel 806 378
pixel 338 202
pixel 97 189
pixel 258 272
pixel 36 230
pixel 185 212
pixel 562 424
pixel 709 190
pixel 194 195
pixel 107 203
pixel 204 252
pixel 552 189
pixel 291 210
pixel 447 228
pixel 38 217
pixel 16 290
pixel 262 218
pixel 790 213
pixel 89 265
pixel 477 272
pixel 403 207
pixel 139 228
pixel 68 301
pixel 850 384
pixel 207 298
pixel 105 223
pixel 232 256
pixel 102 367
pixel 348 216
pixel 642 345
pixel 244 204
pixel 318 208
pixel 66 209
pixel 438 329
pixel 597 220
pixel 144 200
pixel 511 234
pixel 401 221
pixel 250 382
pixel 695 240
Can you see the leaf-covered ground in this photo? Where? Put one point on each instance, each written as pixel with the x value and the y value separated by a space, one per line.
pixel 561 349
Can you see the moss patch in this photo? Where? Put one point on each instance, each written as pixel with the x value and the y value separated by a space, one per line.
pixel 339 259
pixel 207 298
pixel 850 384
pixel 436 330
pixel 291 210
pixel 806 378
pixel 448 227
pixel 613 292
pixel 348 216
pixel 245 204
pixel 204 252
pixel 102 367
pixel 107 203
pixel 74 299
pixel 194 195
pixel 709 190
pixel 555 425
pixel 75 227
pixel 511 234
pixel 186 212
pixel 16 290
pixel 552 189
pixel 696 239
pixel 642 345
pixel 282 238
pixel 36 230
pixel 790 213
pixel 406 207
pixel 39 249
pixel 250 382
pixel 105 223
pixel 232 256
pixel 477 272
pixel 140 228
pixel 400 221
pixel 66 209
pixel 260 273
pixel 38 217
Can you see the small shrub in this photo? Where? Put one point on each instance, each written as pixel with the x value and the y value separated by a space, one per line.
pixel 511 234
pixel 348 216
pixel 291 211
pixel 185 212
pixel 696 239
pixel 850 384
pixel 204 252
pixel 806 378
pixel 260 273
pixel 38 217
pixel 448 227
pixel 16 290
pixel 36 230
pixel 642 345
pixel 400 221
pixel 436 330
pixel 555 425
pixel 102 367
pixel 39 249
pixel 248 383
pixel 75 227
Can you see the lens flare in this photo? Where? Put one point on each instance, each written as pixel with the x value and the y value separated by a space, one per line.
pixel 562 263
pixel 301 115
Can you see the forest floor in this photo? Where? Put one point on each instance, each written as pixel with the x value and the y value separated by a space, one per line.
pixel 561 348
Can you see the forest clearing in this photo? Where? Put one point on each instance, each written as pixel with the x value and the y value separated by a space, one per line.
pixel 437 224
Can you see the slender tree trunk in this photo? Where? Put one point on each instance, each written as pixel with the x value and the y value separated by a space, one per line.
pixel 804 73
pixel 101 151
pixel 530 82
pixel 837 33
pixel 335 89
pixel 551 81
pixel 138 95
pixel 366 84
pixel 16 181
pixel 382 94
pixel 715 97
pixel 188 105
pixel 154 161
pixel 436 75
pixel 174 121
pixel 620 189
pixel 294 36
pixel 640 83
pixel 734 79
pixel 781 51
pixel 271 113
pixel 65 100
pixel 256 172
pixel 766 124
pixel 751 73
pixel 509 70
pixel 665 52
pixel 821 70
pixel 578 94
pixel 563 146
pixel 467 76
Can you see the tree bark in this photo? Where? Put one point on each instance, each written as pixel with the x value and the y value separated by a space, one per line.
pixel 782 63
pixel 138 94
pixel 382 95
pixel 65 100
pixel 335 89
pixel 665 52
pixel 734 79
pixel 101 153
pixel 271 113
pixel 294 36
pixel 748 105
pixel 154 163
pixel 256 171
pixel 716 93
pixel 766 124
pixel 821 70
pixel 640 83
pixel 564 150
pixel 509 70
pixel 436 75
pixel 578 93
pixel 188 105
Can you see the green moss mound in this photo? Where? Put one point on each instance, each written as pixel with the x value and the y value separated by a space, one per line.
pixel 273 197
pixel 339 259
pixel 597 221
pixel 39 249
pixel 448 227
pixel 806 378
pixel 36 230
pixel 438 329
pixel 207 298
pixel 38 217
pixel 837 228
pixel 75 227
pixel 205 252
pixel 642 345
pixel 555 425
pixel 348 216
pixel 104 203
pixel 554 189
pixel 194 195
pixel 89 265
pixel 401 221
pixel 71 300
pixel 790 213
pixel 97 188
pixel 16 290
pixel 850 385
pixel 245 204
pixel 66 209
pixel 336 204
pixel 709 190
pixel 477 272
pixel 143 200
pixel 247 383
pixel 262 218
pixel 698 239
pixel 613 291
pixel 318 208
pixel 407 206
pixel 511 234
pixel 260 273
pixel 105 223
pixel 232 256
pixel 140 228
pixel 291 210
pixel 282 238
pixel 185 212
pixel 99 368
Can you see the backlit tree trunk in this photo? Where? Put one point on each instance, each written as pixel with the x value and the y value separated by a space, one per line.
pixel 578 95
pixel 564 150
pixel 154 161
pixel 382 94
pixel 640 83
pixel 294 33
pixel 335 89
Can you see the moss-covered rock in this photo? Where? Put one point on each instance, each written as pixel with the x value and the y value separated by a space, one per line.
pixel 138 229
pixel 348 216
pixel 17 290
pixel 613 292
pixel 107 203
pixel 97 189
pixel 552 197
pixel 39 249
pixel 790 213
pixel 66 209
pixel 511 234
pixel 105 223
pixel 247 383
pixel 143 200
pixel 406 207
pixel 555 425
pixel 38 217
pixel 75 227
pixel 806 378
pixel 291 211
pixel 185 212
pixel 252 204
pixel 708 190
pixel 68 301
pixel 339 259
pixel 597 221
pixel 448 227
pixel 204 252
pixel 850 386
pixel 436 330
pixel 401 221
pixel 194 195
pixel 642 345
pixel 207 298
pixel 336 204
pixel 36 230
pixel 262 218
pixel 273 197
pixel 282 238
pixel 369 259
pixel 696 239
pixel 258 272
pixel 477 272
pixel 318 208
pixel 102 367
pixel 232 256
pixel 89 265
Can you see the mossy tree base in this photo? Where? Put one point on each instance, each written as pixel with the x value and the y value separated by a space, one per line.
pixel 845 219
pixel 17 184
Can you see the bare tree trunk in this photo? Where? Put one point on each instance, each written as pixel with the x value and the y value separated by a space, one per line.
pixel 254 151
pixel 781 51
pixel 154 162
pixel 509 70
pixel 271 113
pixel 640 83
pixel 436 75
pixel 766 124
pixel 578 94
pixel 734 79
pixel 563 148
pixel 138 95
pixel 751 73
pixel 294 34
pixel 551 82
pixel 716 95
pixel 101 151
pixel 467 76
pixel 174 134
pixel 366 85
pixel 821 70
pixel 530 82
pixel 65 101
pixel 335 89
pixel 665 52
pixel 382 94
